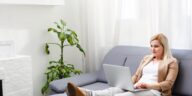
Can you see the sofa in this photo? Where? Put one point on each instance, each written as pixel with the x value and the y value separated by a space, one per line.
pixel 129 56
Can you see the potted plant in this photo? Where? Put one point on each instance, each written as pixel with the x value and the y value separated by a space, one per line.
pixel 58 69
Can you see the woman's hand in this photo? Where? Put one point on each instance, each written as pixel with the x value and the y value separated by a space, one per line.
pixel 141 85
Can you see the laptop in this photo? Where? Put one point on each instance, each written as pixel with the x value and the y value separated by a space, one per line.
pixel 119 76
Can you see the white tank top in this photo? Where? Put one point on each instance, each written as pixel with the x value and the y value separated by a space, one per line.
pixel 150 75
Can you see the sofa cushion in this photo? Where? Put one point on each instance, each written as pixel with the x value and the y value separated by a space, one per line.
pixel 96 86
pixel 83 79
pixel 60 94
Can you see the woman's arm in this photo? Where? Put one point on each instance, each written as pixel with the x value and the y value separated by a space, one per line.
pixel 171 76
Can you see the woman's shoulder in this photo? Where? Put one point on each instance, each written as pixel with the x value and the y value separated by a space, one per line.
pixel 173 59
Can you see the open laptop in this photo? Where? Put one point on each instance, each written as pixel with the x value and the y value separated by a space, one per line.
pixel 119 76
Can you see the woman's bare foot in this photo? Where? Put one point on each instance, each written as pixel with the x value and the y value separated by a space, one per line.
pixel 73 90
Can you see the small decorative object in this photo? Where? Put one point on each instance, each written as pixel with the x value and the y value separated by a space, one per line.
pixel 58 69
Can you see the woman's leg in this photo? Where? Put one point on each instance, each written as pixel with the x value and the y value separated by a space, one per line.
pixel 106 92
pixel 73 90
pixel 139 93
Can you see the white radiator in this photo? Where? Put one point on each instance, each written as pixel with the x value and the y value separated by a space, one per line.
pixel 16 73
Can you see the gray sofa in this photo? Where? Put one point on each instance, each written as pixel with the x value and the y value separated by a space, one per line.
pixel 129 56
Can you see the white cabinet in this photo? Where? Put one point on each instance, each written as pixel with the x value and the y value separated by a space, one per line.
pixel 17 76
pixel 33 2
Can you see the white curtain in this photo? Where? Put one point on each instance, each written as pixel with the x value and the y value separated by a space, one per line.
pixel 171 17
pixel 98 20
pixel 106 23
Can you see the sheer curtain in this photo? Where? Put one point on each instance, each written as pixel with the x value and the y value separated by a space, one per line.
pixel 106 23
pixel 98 20
pixel 171 17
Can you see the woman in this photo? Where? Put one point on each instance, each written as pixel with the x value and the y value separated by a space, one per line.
pixel 156 72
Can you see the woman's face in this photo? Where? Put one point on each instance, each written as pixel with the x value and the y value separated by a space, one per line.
pixel 157 49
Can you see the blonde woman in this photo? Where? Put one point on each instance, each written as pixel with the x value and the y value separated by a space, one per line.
pixel 156 72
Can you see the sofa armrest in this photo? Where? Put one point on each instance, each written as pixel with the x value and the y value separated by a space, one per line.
pixel 80 80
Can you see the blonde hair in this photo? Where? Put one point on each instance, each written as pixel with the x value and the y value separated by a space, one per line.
pixel 164 42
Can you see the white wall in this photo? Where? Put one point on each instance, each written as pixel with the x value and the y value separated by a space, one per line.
pixel 27 26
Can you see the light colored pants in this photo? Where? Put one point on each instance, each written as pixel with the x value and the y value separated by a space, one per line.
pixel 115 91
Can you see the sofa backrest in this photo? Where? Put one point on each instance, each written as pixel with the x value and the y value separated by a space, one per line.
pixel 123 56
pixel 183 84
pixel 132 55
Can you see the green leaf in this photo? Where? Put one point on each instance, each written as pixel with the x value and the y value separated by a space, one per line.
pixel 48 71
pixel 75 39
pixel 80 48
pixel 69 39
pixel 77 72
pixel 73 32
pixel 47 49
pixel 50 29
pixel 51 67
pixel 63 23
pixel 58 26
pixel 45 87
pixel 53 30
pixel 62 36
pixel 58 34
pixel 51 62
pixel 63 70
pixel 70 66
